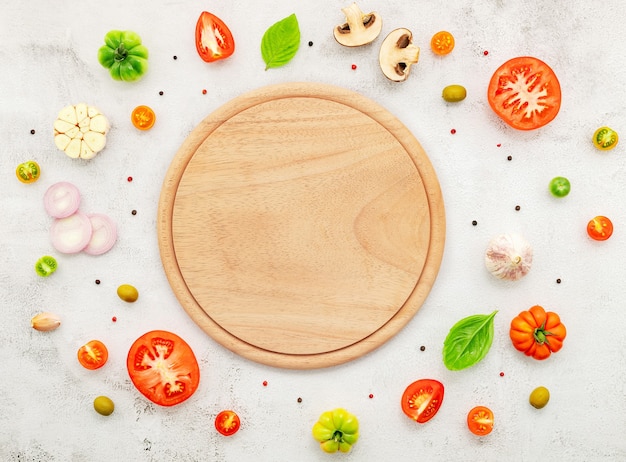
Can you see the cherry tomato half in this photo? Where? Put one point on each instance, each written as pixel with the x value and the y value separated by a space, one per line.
pixel 93 355
pixel 480 420
pixel 600 228
pixel 28 172
pixel 227 423
pixel 605 138
pixel 163 367
pixel 560 186
pixel 442 43
pixel 422 399
pixel 143 117
pixel 525 93
pixel 214 41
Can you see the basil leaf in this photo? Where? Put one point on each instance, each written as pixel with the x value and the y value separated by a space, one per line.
pixel 281 42
pixel 468 341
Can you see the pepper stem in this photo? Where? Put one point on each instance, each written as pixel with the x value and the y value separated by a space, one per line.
pixel 121 52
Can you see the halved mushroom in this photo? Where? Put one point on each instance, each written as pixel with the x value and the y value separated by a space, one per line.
pixel 397 54
pixel 360 29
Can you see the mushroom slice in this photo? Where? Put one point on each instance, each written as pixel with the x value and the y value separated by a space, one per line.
pixel 360 29
pixel 397 54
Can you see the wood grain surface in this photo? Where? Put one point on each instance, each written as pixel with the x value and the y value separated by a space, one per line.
pixel 301 225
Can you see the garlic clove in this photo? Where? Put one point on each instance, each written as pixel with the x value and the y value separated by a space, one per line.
pixel 509 257
pixel 45 322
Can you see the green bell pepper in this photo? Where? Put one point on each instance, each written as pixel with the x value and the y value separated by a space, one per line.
pixel 336 430
pixel 124 55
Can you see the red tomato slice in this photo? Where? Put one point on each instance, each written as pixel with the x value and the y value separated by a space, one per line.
pixel 163 368
pixel 93 355
pixel 227 423
pixel 214 40
pixel 422 399
pixel 480 420
pixel 525 93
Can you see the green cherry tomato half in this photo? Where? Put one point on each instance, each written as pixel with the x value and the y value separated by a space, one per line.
pixel 45 266
pixel 560 186
pixel 28 172
pixel 605 138
pixel 600 228
pixel 124 55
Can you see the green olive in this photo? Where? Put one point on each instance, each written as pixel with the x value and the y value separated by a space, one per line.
pixel 103 405
pixel 539 397
pixel 127 293
pixel 454 93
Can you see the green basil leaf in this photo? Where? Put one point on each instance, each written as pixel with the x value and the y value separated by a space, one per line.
pixel 468 341
pixel 281 42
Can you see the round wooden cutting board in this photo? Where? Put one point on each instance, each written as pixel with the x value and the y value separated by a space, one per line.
pixel 301 225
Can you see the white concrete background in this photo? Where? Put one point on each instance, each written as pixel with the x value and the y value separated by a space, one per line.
pixel 48 55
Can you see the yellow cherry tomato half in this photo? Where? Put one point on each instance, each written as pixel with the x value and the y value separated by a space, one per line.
pixel 28 172
pixel 605 138
pixel 599 228
pixel 442 43
pixel 143 117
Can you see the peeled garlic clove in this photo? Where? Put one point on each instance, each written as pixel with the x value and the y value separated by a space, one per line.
pixel 45 322
pixel 509 256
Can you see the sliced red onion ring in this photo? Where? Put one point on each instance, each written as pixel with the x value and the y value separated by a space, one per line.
pixel 71 234
pixel 103 236
pixel 61 199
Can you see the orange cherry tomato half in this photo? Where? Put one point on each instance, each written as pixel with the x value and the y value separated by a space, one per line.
pixel 93 355
pixel 525 93
pixel 442 43
pixel 163 367
pixel 143 117
pixel 422 399
pixel 480 420
pixel 214 41
pixel 28 172
pixel 227 423
pixel 599 228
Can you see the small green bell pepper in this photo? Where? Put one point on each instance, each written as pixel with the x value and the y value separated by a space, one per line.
pixel 124 55
pixel 336 430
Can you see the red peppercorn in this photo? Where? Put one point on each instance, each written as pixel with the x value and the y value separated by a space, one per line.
pixel 371 396
pixel 265 383
pixel 501 374
pixel 130 178
pixel 114 319
pixel 453 131
pixel 204 91
pixel 485 52
pixel 354 67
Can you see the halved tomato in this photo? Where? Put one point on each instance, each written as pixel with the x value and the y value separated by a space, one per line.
pixel 525 93
pixel 227 422
pixel 214 40
pixel 480 420
pixel 163 367
pixel 422 399
pixel 93 355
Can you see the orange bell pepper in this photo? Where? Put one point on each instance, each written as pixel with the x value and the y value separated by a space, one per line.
pixel 537 333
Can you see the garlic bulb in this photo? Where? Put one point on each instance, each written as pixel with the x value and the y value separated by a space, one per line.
pixel 509 256
pixel 45 322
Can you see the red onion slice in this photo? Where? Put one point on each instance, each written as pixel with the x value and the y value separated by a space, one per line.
pixel 71 234
pixel 103 236
pixel 61 199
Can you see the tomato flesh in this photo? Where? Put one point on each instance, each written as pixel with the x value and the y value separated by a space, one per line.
pixel 163 368
pixel 422 399
pixel 227 423
pixel 214 41
pixel 600 228
pixel 93 355
pixel 525 93
pixel 480 420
